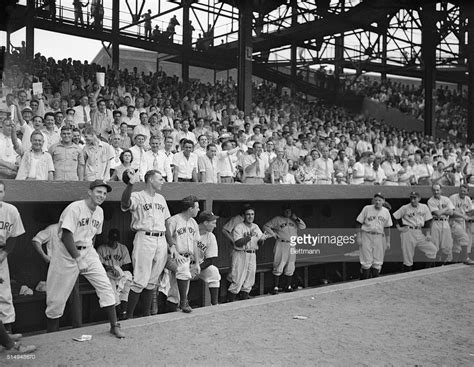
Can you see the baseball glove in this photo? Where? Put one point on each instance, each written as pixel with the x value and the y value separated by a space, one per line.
pixel 126 177
pixel 171 264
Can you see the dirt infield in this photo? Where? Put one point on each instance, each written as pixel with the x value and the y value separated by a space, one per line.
pixel 423 318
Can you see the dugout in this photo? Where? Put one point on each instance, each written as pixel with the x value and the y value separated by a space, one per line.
pixel 332 206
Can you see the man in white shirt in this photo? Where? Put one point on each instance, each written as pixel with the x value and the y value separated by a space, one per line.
pixel 201 148
pixel 185 133
pixel 139 162
pixel 358 170
pixel 324 168
pixel 207 165
pixel 158 160
pixel 82 114
pixel 391 169
pixel 185 164
pixel 225 165
pixel 36 164
pixel 254 165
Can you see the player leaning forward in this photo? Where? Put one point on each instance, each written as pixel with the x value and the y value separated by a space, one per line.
pixel 79 223
pixel 150 250
pixel 374 236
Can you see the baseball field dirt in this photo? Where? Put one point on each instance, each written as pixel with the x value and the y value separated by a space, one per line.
pixel 418 318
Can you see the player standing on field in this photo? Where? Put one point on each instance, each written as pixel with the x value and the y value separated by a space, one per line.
pixel 441 209
pixel 182 234
pixel 373 237
pixel 11 228
pixel 283 228
pixel 462 211
pixel 150 251
pixel 246 235
pixel 79 223
pixel 410 219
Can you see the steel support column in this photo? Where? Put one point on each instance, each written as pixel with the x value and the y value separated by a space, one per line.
pixel 469 12
pixel 428 52
pixel 187 42
pixel 30 31
pixel 293 50
pixel 115 34
pixel 245 57
pixel 339 58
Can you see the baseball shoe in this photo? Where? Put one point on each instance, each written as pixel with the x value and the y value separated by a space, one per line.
pixel 21 349
pixel 231 297
pixel 116 330
pixel 15 337
pixel 185 307
pixel 244 295
pixel 468 261
pixel 288 289
pixel 275 290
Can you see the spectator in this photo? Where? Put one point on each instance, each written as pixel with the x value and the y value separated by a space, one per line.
pixel 185 164
pixel 36 164
pixel 68 158
pixel 126 159
pixel 98 157
pixel 207 166
pixel 158 160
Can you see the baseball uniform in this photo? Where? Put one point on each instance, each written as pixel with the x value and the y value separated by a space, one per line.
pixel 11 226
pixel 440 229
pixel 244 261
pixel 116 258
pixel 63 270
pixel 414 218
pixel 150 249
pixel 373 223
pixel 206 249
pixel 283 229
pixel 185 234
pixel 459 229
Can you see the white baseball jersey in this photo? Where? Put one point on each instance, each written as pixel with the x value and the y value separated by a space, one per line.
pixel 114 256
pixel 285 228
pixel 206 246
pixel 10 223
pixel 49 236
pixel 185 233
pixel 440 204
pixel 374 220
pixel 241 230
pixel 413 216
pixel 461 205
pixel 81 222
pixel 148 212
pixel 232 223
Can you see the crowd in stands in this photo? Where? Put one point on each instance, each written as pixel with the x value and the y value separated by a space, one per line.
pixel 450 104
pixel 77 130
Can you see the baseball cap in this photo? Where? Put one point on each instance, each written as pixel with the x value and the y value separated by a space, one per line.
pixel 98 183
pixel 206 216
pixel 379 195
pixel 414 194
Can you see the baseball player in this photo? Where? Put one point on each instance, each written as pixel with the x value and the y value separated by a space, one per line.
pixel 441 208
pixel 50 237
pixel 182 234
pixel 11 227
pixel 283 228
pixel 246 236
pixel 373 236
pixel 462 212
pixel 207 253
pixel 79 223
pixel 410 219
pixel 117 263
pixel 150 251
pixel 10 341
